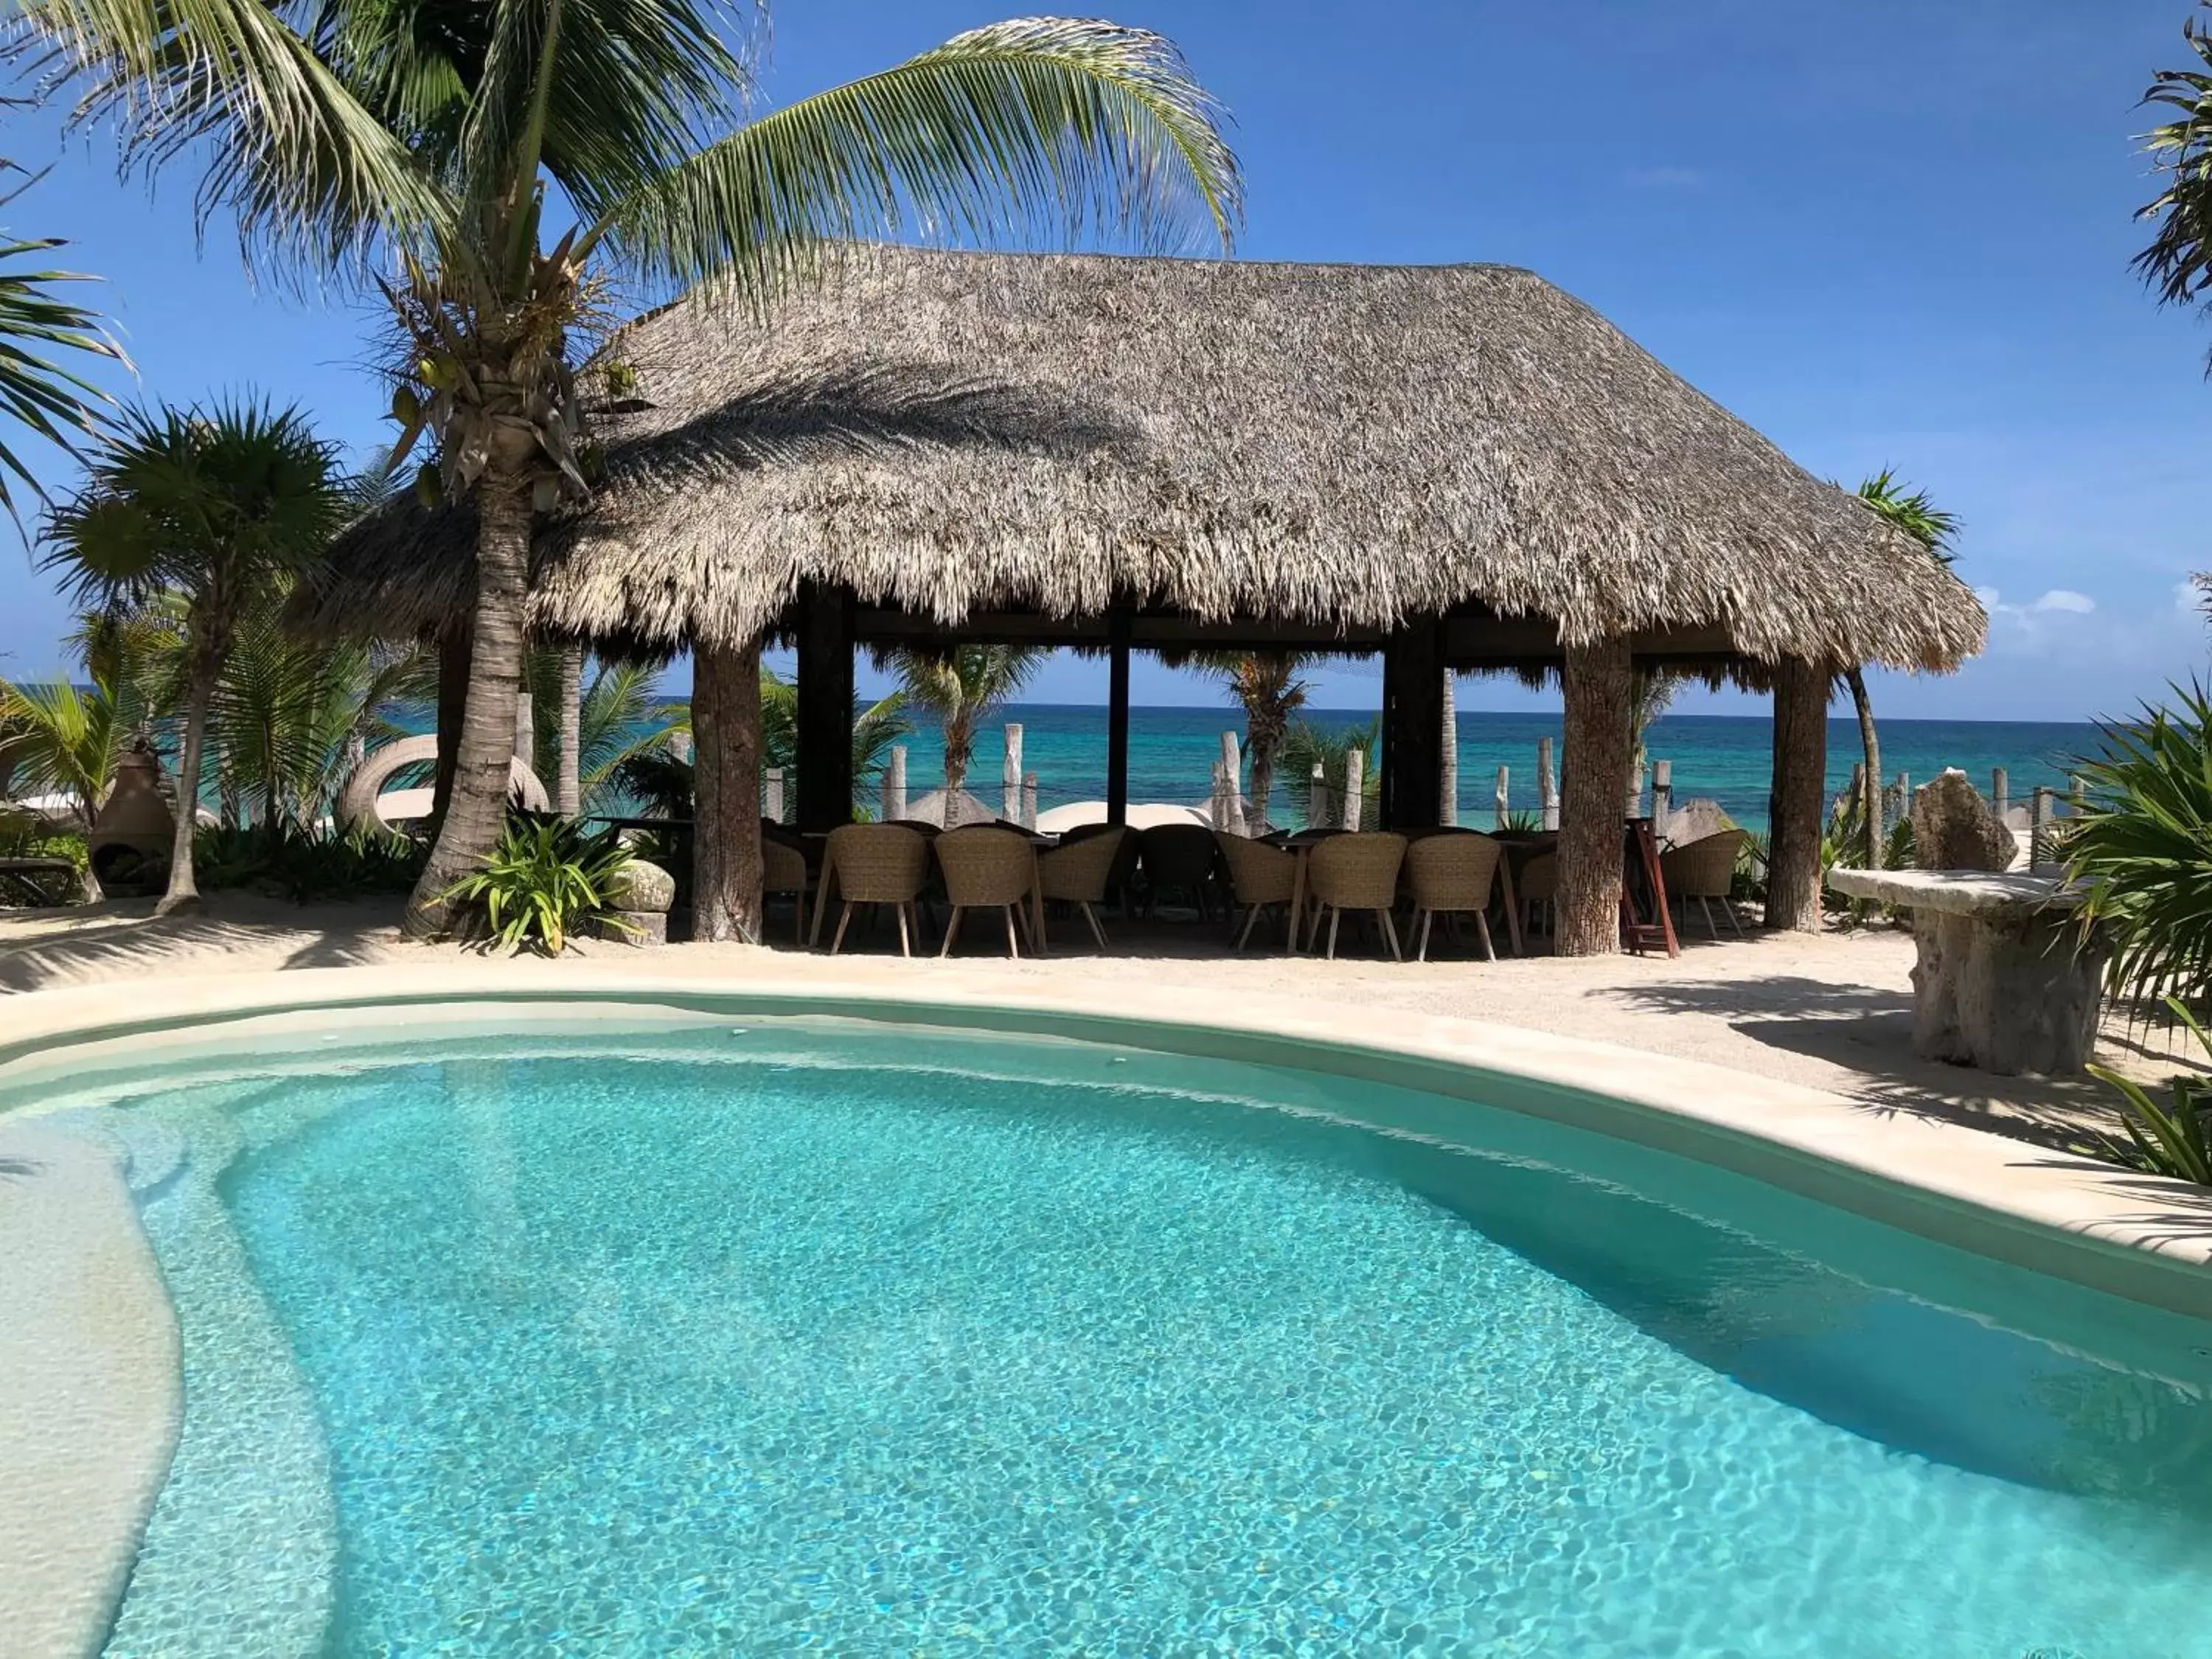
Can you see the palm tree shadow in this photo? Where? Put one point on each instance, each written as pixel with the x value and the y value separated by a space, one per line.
pixel 1866 1031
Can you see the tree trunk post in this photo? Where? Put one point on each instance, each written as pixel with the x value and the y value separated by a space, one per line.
pixel 1232 801
pixel 725 835
pixel 1355 765
pixel 1318 800
pixel 1447 794
pixel 1502 806
pixel 1599 747
pixel 484 758
pixel 1870 741
pixel 1547 787
pixel 568 787
pixel 1798 795
pixel 1118 626
pixel 1010 775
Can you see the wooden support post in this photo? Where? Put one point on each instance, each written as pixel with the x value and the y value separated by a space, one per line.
pixel 2000 792
pixel 1504 802
pixel 1355 767
pixel 1010 781
pixel 1663 797
pixel 1232 802
pixel 679 746
pixel 825 707
pixel 2039 830
pixel 772 794
pixel 1448 794
pixel 1117 714
pixel 1317 813
pixel 725 839
pixel 1029 800
pixel 1413 726
pixel 1596 683
pixel 1798 796
pixel 894 786
pixel 1547 786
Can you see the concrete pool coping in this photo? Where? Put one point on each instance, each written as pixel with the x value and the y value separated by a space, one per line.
pixel 2107 1229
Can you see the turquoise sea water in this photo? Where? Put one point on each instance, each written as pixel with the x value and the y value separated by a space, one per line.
pixel 800 1338
pixel 1172 751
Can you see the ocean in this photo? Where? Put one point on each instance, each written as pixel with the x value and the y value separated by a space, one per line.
pixel 1726 758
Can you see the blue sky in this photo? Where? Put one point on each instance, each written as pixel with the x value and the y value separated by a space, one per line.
pixel 1888 232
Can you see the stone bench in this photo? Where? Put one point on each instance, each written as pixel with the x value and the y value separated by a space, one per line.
pixel 2006 979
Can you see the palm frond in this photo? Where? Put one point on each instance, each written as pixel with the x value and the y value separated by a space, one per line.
pixel 39 390
pixel 1912 511
pixel 1016 130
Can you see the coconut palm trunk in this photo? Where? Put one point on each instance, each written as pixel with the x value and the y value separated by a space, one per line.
pixel 725 853
pixel 567 788
pixel 1599 685
pixel 484 761
pixel 1871 786
pixel 183 891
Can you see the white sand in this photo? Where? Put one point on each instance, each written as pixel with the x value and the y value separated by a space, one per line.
pixel 1830 1010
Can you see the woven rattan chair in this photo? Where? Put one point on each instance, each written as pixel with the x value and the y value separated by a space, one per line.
pixel 1704 870
pixel 1537 887
pixel 874 864
pixel 1178 858
pixel 783 873
pixel 986 868
pixel 1261 878
pixel 1079 872
pixel 1356 872
pixel 1453 875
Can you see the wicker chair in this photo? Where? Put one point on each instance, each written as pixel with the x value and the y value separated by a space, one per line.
pixel 1179 857
pixel 783 873
pixel 873 864
pixel 1538 886
pixel 986 868
pixel 1452 874
pixel 1358 872
pixel 1704 870
pixel 1261 878
pixel 1079 872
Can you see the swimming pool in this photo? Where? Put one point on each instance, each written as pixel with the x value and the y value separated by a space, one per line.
pixel 771 1335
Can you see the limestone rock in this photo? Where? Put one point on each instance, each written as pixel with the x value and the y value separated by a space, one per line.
pixel 641 886
pixel 1954 829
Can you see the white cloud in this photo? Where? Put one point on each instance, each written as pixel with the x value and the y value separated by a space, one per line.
pixel 1988 596
pixel 2065 598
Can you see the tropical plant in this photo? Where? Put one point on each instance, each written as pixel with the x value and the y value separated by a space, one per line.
pixel 546 879
pixel 37 328
pixel 66 740
pixel 2143 847
pixel 2178 264
pixel 963 687
pixel 2173 1139
pixel 210 505
pixel 306 867
pixel 618 713
pixel 1915 513
pixel 1650 693
pixel 1305 745
pixel 1266 686
pixel 875 729
pixel 420 146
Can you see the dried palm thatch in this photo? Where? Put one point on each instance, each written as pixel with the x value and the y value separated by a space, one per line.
pixel 1345 445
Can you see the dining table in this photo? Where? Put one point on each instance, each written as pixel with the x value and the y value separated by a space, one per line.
pixel 821 856
pixel 1301 843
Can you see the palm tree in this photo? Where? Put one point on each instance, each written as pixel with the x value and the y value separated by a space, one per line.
pixel 1915 513
pixel 2178 261
pixel 1305 746
pixel 423 146
pixel 212 507
pixel 36 326
pixel 962 688
pixel 65 740
pixel 875 729
pixel 1266 686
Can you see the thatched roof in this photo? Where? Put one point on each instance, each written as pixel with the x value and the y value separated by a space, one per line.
pixel 1339 444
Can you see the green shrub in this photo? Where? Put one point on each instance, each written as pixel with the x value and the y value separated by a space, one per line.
pixel 307 869
pixel 2143 849
pixel 546 879
pixel 2173 1139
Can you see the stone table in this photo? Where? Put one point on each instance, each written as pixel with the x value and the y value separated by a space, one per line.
pixel 2006 979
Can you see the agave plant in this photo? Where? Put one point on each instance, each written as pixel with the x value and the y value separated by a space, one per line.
pixel 2171 1140
pixel 2143 849
pixel 546 879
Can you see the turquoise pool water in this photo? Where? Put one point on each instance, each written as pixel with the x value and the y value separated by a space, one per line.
pixel 804 1337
